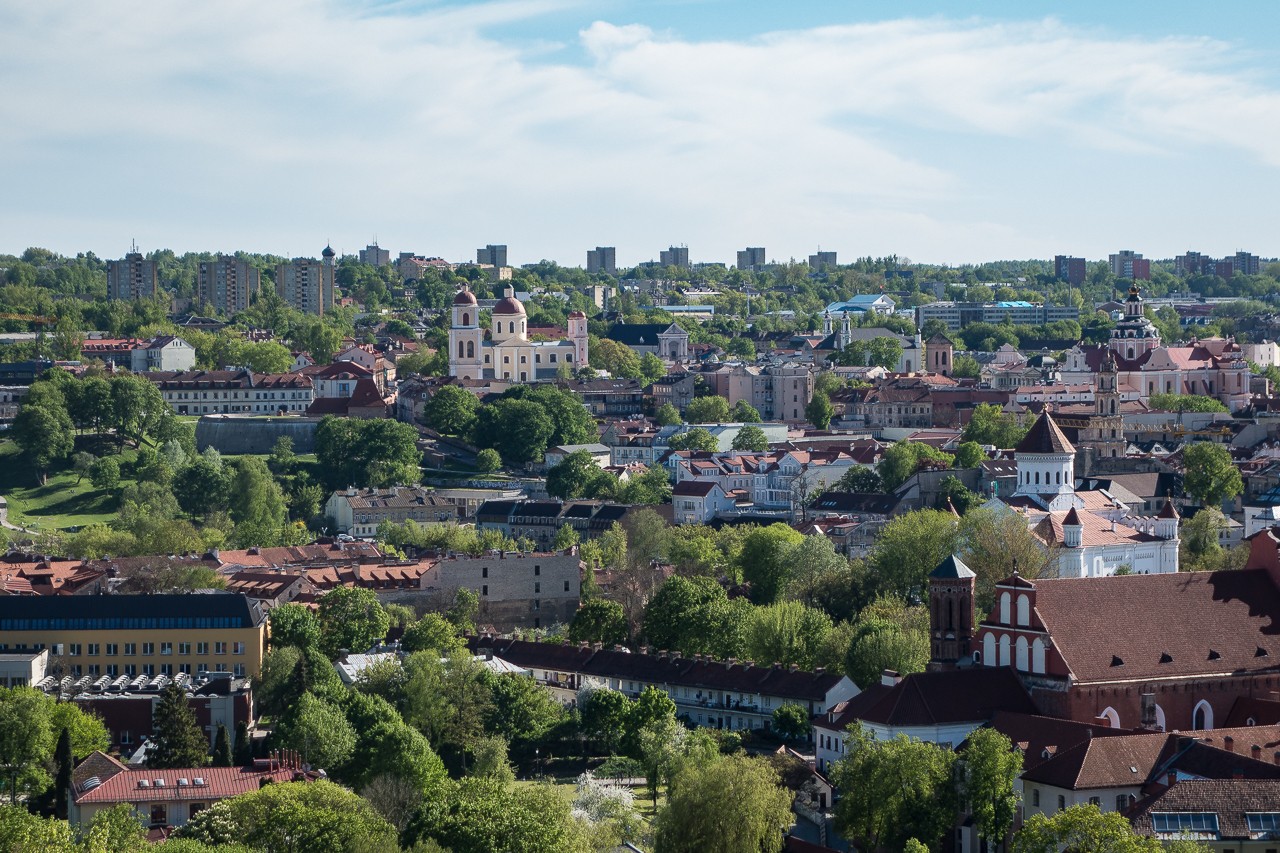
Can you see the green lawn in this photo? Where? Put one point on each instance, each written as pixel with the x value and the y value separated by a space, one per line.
pixel 60 503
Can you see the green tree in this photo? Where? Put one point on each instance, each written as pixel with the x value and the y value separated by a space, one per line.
pixel 520 430
pixel 651 368
pixel 729 805
pixel 243 754
pixel 909 547
pixel 1211 476
pixel 431 633
pixel 178 740
pixel 105 474
pixel 481 815
pixel 599 621
pixel 787 632
pixel 903 459
pixel 282 458
pixel 751 438
pixel 488 460
pixel 743 412
pixel 367 452
pixel 203 486
pixel 667 415
pixel 294 625
pixel 990 425
pixel 522 710
pixel 650 487
pixel 965 367
pixel 566 537
pixel 953 491
pixel 578 476
pixel 989 771
pixel 819 410
pixel 1081 829
pixel 26 740
pixel 694 439
pixel 82 464
pixel 350 618
pixel 451 410
pixel 319 731
pixel 763 560
pixel 294 817
pixel 614 358
pixel 257 503
pixel 222 748
pixel 707 410
pixel 894 790
pixel 791 720
pixel 858 479
pixel 45 436
pixel 64 761
pixel 1185 403
pixel 605 716
pixel 995 544
pixel 969 455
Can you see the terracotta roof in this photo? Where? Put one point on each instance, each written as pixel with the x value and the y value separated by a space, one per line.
pixel 1229 799
pixel 1204 622
pixel 1045 437
pixel 1041 738
pixel 1103 762
pixel 164 786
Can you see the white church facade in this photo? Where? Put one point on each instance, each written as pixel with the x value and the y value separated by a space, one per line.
pixel 1092 532
pixel 508 353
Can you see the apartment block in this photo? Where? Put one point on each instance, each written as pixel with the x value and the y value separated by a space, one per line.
pixel 1129 264
pixel 958 315
pixel 212 392
pixel 493 255
pixel 227 283
pixel 821 260
pixel 602 259
pixel 133 277
pixel 307 284
pixel 1070 270
pixel 373 254
pixel 751 258
pixel 135 635
pixel 675 256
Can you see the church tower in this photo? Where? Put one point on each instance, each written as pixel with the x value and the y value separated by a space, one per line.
pixel 1046 465
pixel 466 338
pixel 1135 335
pixel 951 594
pixel 938 353
pixel 578 335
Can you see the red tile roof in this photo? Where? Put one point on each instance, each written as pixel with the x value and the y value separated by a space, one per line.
pixel 1045 437
pixel 125 786
pixel 935 698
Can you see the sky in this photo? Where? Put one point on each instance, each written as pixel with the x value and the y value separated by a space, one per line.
pixel 941 132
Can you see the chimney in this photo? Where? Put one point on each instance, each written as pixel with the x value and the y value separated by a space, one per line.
pixel 1229 743
pixel 1173 778
pixel 1256 753
pixel 1105 722
pixel 890 678
pixel 794 667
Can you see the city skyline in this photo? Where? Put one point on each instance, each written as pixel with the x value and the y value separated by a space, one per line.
pixel 553 127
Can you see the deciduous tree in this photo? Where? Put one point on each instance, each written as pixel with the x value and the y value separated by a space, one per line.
pixel 730 805
pixel 1211 476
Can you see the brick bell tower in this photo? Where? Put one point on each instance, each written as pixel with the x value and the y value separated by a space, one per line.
pixel 951 594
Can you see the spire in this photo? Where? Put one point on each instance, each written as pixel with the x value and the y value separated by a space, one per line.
pixel 1045 436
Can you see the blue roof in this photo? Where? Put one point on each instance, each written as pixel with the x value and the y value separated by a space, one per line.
pixel 1014 303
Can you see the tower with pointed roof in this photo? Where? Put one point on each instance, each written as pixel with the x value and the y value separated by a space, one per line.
pixel 951 597
pixel 1135 335
pixel 1046 465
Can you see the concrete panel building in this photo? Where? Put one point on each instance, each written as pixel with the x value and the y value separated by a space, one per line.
pixel 133 277
pixel 227 283
pixel 307 284
pixel 602 259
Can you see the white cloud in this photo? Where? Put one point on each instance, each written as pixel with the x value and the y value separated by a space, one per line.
pixel 260 124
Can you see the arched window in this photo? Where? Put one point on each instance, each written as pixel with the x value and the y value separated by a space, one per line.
pixel 1024 610
pixel 460 350
pixel 951 615
pixel 1112 717
pixel 1005 602
pixel 471 349
pixel 1004 649
pixel 1022 659
pixel 466 319
pixel 989 649
pixel 1037 478
pixel 1202 716
pixel 1058 477
pixel 1160 718
pixel 1037 655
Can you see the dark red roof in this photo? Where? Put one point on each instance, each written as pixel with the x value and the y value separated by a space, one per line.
pixel 464 297
pixel 968 695
pixel 1044 437
pixel 508 305
pixel 1230 799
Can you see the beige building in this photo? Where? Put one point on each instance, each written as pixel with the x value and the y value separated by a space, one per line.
pixel 228 284
pixel 307 284
pixel 134 277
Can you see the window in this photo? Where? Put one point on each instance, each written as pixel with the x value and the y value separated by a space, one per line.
pixel 537 604
pixel 130 649
pixel 93 650
pixel 75 649
pixel 1263 821
pixel 237 648
pixel 166 648
pixel 112 649
pixel 1035 797
pixel 148 648
pixel 484 571
pixel 484 590
pixel 566 586
pixel 219 648
pixel 1096 801
pixel 202 648
pixel 537 570
pixel 1185 823
pixel 1062 803
pixel 239 670
pixel 149 669
pixel 95 670
pixel 159 814
pixel 537 588
pixel 184 649
pixel 113 670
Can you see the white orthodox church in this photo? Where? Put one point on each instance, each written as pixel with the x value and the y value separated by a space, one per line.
pixel 1093 532
pixel 508 353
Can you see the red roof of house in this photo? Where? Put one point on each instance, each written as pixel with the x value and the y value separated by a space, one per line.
pixel 216 783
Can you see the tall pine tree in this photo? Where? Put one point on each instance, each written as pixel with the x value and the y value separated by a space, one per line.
pixel 63 758
pixel 178 740
pixel 244 746
pixel 221 748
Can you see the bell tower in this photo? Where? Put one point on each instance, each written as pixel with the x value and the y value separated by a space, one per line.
pixel 466 338
pixel 951 594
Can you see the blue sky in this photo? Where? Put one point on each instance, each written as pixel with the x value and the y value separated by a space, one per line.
pixel 940 132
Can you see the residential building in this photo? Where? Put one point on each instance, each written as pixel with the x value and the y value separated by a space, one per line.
pixel 163 352
pixel 360 512
pixel 307 284
pixel 771 481
pixel 958 315
pixel 1226 815
pixel 373 254
pixel 730 694
pixel 676 256
pixel 164 799
pixel 23 669
pixel 134 277
pixel 602 259
pixel 752 258
pixel 1068 269
pixel 699 501
pixel 203 392
pixel 1129 264
pixel 508 353
pixel 515 589
pixel 541 520
pixel 491 255
pixel 608 398
pixel 1189 264
pixel 228 284
pixel 105 635
pixel 555 455
pixel 381 369
pixel 667 341
pixel 822 260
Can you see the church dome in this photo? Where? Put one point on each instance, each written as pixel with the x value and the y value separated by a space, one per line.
pixel 577 315
pixel 507 305
pixel 328 252
pixel 464 297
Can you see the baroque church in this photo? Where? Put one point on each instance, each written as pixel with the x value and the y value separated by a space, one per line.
pixel 507 353
pixel 1093 533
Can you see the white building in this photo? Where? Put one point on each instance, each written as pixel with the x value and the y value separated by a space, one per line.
pixel 508 353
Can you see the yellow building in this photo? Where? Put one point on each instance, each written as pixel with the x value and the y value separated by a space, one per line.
pixel 132 635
